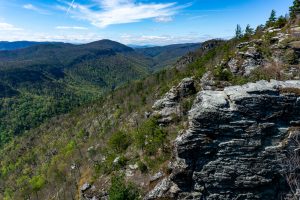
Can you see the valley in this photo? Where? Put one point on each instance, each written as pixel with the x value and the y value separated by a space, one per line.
pixel 49 79
pixel 216 120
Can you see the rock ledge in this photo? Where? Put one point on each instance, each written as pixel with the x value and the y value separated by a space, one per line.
pixel 234 145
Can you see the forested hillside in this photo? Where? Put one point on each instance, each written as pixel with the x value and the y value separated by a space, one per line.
pixel 109 125
pixel 41 81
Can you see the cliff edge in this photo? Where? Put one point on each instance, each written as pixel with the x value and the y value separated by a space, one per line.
pixel 236 144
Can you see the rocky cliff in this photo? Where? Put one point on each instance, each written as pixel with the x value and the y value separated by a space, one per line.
pixel 235 144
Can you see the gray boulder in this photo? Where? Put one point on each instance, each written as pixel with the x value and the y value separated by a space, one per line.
pixel 85 187
pixel 233 65
pixel 249 65
pixel 252 60
pixel 243 44
pixel 207 81
pixel 156 176
pixel 169 106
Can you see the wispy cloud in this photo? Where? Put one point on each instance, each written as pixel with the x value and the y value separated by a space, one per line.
pixel 164 19
pixel 197 17
pixel 108 12
pixel 213 10
pixel 8 27
pixel 36 9
pixel 42 36
pixel 163 39
pixel 71 28
pixel 71 5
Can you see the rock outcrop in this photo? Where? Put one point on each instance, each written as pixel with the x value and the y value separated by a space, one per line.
pixel 281 56
pixel 245 61
pixel 169 106
pixel 235 144
pixel 90 192
pixel 208 82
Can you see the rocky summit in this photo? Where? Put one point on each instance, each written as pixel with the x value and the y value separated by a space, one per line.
pixel 235 144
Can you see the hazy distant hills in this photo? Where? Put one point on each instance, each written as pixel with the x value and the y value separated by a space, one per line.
pixel 5 45
pixel 43 80
pixel 102 63
pixel 166 55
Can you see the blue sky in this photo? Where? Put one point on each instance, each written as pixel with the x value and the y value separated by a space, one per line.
pixel 131 21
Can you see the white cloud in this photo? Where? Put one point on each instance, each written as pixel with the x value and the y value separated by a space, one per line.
pixel 71 28
pixel 8 27
pixel 34 36
pixel 164 19
pixel 90 37
pixel 163 39
pixel 36 9
pixel 108 12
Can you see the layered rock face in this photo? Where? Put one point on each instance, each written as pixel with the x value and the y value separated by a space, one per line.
pixel 169 106
pixel 235 144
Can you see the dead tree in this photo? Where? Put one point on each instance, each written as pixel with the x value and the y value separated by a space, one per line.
pixel 291 165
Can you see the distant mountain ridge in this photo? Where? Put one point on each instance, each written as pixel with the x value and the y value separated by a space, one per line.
pixel 6 45
pixel 167 55
pixel 14 45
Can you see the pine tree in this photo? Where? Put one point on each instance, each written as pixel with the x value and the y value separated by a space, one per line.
pixel 259 29
pixel 249 31
pixel 272 19
pixel 281 22
pixel 295 9
pixel 238 32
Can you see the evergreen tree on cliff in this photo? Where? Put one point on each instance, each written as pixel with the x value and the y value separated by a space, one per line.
pixel 248 31
pixel 272 19
pixel 295 9
pixel 238 32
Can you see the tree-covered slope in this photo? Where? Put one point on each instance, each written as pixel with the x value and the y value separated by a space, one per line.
pixel 61 144
pixel 41 81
